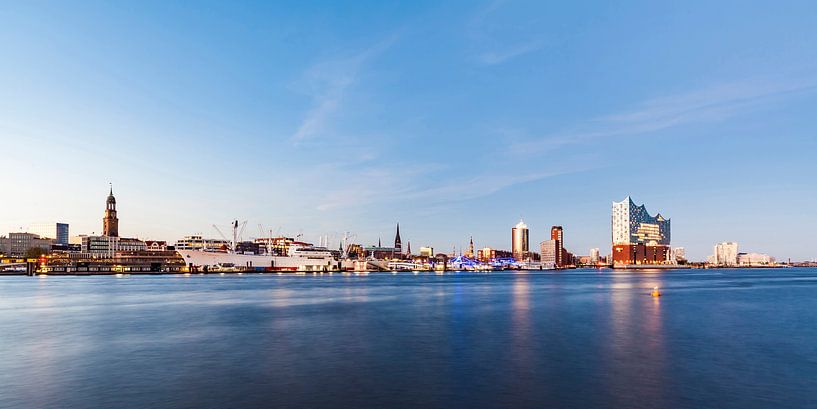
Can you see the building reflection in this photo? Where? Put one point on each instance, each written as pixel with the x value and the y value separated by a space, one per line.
pixel 522 343
pixel 637 342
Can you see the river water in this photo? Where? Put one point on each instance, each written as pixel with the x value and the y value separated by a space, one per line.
pixel 579 338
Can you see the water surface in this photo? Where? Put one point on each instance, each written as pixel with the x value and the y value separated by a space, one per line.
pixel 582 338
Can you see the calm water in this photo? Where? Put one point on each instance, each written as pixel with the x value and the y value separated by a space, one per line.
pixel 718 339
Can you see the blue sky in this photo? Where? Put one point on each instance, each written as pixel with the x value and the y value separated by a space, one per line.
pixel 453 118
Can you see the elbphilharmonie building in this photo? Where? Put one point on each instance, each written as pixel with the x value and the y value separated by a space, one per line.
pixel 638 237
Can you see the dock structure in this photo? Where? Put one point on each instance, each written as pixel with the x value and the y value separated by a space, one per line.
pixel 18 265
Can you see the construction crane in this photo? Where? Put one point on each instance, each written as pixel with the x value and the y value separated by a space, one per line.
pixel 236 233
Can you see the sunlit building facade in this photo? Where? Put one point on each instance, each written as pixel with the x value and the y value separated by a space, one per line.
pixel 557 235
pixel 110 222
pixel 594 256
pixel 520 241
pixel 725 254
pixel 549 253
pixel 638 237
pixel 754 259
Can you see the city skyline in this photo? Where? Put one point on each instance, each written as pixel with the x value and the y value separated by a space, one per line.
pixel 453 120
pixel 630 223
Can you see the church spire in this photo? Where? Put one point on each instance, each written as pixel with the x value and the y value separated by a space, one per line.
pixel 398 244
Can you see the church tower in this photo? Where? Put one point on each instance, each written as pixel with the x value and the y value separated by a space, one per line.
pixel 110 223
pixel 398 245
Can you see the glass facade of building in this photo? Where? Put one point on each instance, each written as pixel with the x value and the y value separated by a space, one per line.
pixel 634 225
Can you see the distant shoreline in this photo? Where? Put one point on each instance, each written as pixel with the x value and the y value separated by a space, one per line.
pixel 355 273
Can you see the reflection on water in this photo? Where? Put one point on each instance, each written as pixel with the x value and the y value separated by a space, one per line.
pixel 725 338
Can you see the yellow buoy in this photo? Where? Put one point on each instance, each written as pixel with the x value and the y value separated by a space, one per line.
pixel 655 292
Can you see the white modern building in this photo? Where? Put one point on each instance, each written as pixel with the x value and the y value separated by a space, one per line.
pixel 679 254
pixel 725 254
pixel 594 256
pixel 754 259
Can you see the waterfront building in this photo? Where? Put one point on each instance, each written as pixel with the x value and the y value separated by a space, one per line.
pixel 679 255
pixel 638 237
pixel 381 253
pixel 549 250
pixel 58 232
pixel 594 256
pixel 110 222
pixel 17 244
pixel 754 259
pixel 557 235
pixel 108 246
pixel 470 253
pixel 426 252
pixel 520 241
pixel 725 254
pixel 488 254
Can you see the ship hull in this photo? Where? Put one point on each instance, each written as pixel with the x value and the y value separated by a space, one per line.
pixel 214 260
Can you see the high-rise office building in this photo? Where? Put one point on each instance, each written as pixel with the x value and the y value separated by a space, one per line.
pixel 638 237
pixel 549 253
pixel 58 232
pixel 557 235
pixel 520 241
pixel 110 223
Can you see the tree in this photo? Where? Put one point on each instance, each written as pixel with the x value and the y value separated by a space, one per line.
pixel 35 252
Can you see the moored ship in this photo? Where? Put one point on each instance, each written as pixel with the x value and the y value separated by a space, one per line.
pixel 292 256
pixel 299 259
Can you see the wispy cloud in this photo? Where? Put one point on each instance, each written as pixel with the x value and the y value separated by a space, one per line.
pixel 483 185
pixel 400 184
pixel 484 28
pixel 714 103
pixel 507 53
pixel 328 82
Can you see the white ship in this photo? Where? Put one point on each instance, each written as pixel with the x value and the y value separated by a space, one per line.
pixel 298 257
